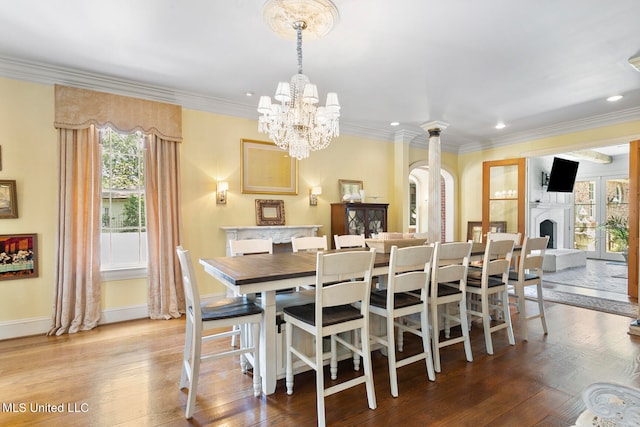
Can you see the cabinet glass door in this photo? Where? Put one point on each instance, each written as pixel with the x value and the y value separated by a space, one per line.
pixel 355 221
pixel 375 220
pixel 503 196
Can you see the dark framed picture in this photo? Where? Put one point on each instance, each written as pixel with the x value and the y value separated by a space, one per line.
pixel 18 256
pixel 269 212
pixel 8 199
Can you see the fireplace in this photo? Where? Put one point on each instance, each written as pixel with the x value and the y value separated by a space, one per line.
pixel 549 228
pixel 553 220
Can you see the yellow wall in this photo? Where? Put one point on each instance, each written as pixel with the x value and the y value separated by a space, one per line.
pixel 470 164
pixel 27 140
pixel 210 152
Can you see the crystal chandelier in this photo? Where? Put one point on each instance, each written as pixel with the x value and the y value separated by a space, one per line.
pixel 295 123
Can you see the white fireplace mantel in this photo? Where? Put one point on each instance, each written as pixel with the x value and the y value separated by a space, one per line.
pixel 279 233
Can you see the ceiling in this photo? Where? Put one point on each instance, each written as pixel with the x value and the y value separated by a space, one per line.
pixel 542 67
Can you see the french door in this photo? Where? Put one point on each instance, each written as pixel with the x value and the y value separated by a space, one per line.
pixel 596 200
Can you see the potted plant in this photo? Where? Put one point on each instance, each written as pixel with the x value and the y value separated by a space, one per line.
pixel 618 228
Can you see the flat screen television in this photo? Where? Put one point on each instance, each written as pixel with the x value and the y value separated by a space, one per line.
pixel 562 176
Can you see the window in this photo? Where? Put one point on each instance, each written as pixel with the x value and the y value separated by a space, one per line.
pixel 123 232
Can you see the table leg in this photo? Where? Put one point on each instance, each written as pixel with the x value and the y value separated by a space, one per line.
pixel 268 337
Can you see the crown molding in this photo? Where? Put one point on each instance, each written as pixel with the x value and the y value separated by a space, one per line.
pixel 47 74
pixel 630 114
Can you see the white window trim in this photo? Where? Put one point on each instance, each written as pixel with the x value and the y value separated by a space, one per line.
pixel 114 274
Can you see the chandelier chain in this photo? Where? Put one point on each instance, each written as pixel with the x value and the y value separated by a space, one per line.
pixel 299 45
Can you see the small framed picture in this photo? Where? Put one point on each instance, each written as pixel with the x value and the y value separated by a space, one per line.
pixel 18 256
pixel 349 187
pixel 269 212
pixel 8 199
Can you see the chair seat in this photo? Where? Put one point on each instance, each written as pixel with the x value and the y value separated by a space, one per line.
pixel 228 308
pixel 330 315
pixel 513 275
pixel 379 299
pixel 446 290
pixel 492 282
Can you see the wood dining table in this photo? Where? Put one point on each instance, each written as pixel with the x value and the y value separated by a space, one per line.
pixel 264 274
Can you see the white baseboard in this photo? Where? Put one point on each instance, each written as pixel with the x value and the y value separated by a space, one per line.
pixel 24 327
pixel 41 325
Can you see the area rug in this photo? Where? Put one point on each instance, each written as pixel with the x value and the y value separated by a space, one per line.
pixel 599 304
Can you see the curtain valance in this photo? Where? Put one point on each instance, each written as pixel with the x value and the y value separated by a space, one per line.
pixel 79 108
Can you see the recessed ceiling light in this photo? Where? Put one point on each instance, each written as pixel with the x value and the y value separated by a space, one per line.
pixel 248 93
pixel 614 98
pixel 500 125
pixel 394 124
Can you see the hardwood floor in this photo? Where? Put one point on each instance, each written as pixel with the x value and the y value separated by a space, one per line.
pixel 127 374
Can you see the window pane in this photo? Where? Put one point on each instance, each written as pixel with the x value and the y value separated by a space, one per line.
pixel 585 209
pixel 124 237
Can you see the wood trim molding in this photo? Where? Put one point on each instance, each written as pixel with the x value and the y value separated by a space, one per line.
pixel 634 218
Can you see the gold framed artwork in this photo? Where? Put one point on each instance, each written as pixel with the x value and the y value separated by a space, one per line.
pixel 348 187
pixel 18 256
pixel 269 212
pixel 8 199
pixel 474 229
pixel 266 169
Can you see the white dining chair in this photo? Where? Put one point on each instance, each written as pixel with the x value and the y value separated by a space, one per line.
pixel 342 280
pixel 222 314
pixel 309 243
pixel 349 241
pixel 448 287
pixel 406 295
pixel 529 273
pixel 243 247
pixel 487 290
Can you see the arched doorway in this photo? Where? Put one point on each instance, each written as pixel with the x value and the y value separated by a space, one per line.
pixel 419 195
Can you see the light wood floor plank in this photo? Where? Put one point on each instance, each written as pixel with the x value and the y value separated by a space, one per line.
pixel 127 374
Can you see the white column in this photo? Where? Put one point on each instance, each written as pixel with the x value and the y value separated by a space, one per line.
pixel 434 204
pixel 402 139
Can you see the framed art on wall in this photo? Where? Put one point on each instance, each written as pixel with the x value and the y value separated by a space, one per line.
pixel 348 187
pixel 269 212
pixel 266 169
pixel 18 256
pixel 8 199
pixel 474 229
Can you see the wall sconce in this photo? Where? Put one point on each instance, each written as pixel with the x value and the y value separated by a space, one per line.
pixel 221 198
pixel 313 195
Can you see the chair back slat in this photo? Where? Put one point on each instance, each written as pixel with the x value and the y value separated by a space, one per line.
pixel 516 237
pixel 309 243
pixel 251 246
pixel 349 241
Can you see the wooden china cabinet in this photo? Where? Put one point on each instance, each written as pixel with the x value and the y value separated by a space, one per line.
pixel 503 187
pixel 358 218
